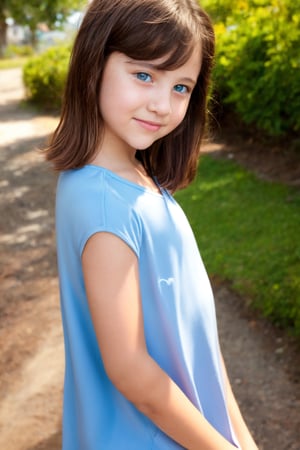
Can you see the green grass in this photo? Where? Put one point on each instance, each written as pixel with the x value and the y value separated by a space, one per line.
pixel 248 232
pixel 12 63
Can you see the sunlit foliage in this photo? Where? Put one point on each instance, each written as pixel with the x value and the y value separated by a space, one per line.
pixel 258 61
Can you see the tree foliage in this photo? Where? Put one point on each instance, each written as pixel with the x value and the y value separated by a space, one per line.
pixel 33 12
pixel 258 65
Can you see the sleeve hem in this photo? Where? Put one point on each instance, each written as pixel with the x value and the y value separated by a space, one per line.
pixel 105 230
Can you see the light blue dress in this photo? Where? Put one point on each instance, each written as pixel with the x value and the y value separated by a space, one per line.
pixel 178 307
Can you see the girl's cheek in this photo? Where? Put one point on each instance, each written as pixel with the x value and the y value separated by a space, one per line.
pixel 181 111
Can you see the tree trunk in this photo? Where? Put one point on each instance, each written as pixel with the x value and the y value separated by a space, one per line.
pixel 3 28
pixel 33 37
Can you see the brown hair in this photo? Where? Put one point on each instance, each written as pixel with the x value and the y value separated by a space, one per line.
pixel 143 30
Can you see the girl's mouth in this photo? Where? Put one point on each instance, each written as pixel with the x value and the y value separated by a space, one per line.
pixel 148 125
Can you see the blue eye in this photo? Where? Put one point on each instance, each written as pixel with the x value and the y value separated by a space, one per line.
pixel 143 76
pixel 181 88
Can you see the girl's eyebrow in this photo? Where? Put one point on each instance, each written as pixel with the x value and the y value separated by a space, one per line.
pixel 142 62
pixel 152 66
pixel 189 80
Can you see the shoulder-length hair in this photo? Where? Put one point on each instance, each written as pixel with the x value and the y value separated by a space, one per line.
pixel 143 30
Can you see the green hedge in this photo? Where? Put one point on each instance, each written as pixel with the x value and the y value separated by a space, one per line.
pixel 44 77
pixel 257 69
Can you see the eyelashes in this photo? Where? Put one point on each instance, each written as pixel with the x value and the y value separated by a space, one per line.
pixel 143 76
pixel 182 89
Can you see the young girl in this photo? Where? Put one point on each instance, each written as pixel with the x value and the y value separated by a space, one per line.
pixel 143 364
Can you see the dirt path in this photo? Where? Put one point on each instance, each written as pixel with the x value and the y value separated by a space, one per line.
pixel 261 362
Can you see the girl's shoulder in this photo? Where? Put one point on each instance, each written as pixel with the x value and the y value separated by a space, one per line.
pixel 91 181
pixel 91 187
pixel 90 200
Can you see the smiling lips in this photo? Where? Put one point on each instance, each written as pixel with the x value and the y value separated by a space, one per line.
pixel 147 125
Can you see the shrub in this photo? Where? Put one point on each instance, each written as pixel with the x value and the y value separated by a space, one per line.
pixel 44 77
pixel 13 51
pixel 258 63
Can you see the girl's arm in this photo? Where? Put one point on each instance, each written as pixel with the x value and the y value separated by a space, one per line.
pixel 241 430
pixel 112 283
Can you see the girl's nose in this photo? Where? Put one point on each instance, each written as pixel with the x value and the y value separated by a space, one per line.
pixel 160 103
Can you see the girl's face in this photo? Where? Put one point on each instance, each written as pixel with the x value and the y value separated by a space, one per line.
pixel 140 103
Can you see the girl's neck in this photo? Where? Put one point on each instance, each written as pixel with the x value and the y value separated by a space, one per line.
pixel 125 165
pixel 114 154
pixel 109 161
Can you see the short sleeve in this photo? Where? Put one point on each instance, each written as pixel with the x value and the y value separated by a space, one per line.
pixel 88 205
